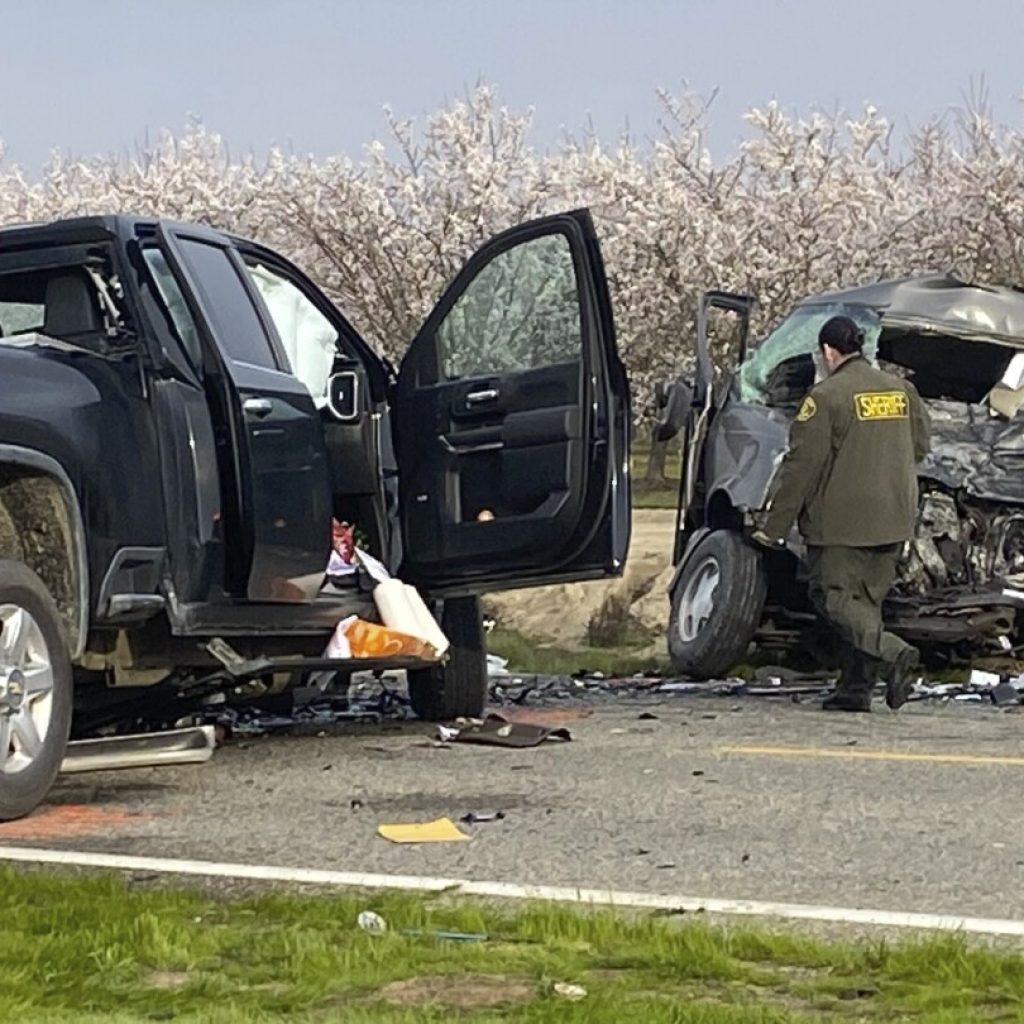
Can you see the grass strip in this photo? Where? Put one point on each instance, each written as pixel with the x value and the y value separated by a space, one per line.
pixel 103 948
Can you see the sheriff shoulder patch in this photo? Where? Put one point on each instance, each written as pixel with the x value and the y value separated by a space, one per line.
pixel 881 405
pixel 807 409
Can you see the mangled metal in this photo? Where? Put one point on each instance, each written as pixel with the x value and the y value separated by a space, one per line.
pixel 961 582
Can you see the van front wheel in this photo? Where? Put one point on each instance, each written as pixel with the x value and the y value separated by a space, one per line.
pixel 716 606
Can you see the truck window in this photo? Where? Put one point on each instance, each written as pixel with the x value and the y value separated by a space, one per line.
pixel 21 317
pixel 310 340
pixel 235 319
pixel 60 302
pixel 170 291
pixel 521 312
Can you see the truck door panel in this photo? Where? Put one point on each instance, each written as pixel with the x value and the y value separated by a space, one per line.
pixel 512 419
pixel 271 446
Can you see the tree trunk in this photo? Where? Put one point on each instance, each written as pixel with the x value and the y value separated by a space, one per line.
pixel 656 462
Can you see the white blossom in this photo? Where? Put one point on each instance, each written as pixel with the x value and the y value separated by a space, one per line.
pixel 807 204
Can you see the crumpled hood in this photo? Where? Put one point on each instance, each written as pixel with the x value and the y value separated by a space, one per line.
pixel 976 451
pixel 940 304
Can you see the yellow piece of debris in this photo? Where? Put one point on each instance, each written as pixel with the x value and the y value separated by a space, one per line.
pixel 443 830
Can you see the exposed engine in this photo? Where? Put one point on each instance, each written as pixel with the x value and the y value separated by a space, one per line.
pixel 961 543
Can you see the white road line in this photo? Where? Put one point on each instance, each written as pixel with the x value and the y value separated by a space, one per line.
pixel 514 891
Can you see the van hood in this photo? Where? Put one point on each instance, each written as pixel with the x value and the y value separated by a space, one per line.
pixel 939 304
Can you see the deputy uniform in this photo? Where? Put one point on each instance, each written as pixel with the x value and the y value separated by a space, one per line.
pixel 849 478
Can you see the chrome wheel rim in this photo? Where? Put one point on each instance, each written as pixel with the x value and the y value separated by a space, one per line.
pixel 26 689
pixel 698 599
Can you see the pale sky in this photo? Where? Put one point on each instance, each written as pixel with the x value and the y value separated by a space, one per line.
pixel 312 75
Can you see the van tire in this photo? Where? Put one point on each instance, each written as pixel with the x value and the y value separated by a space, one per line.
pixel 23 789
pixel 716 606
pixel 458 688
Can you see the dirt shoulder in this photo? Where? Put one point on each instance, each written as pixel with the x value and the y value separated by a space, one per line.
pixel 635 606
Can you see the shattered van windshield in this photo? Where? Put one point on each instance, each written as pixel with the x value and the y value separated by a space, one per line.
pixel 785 365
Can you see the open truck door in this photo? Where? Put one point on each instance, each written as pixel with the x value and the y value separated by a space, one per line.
pixel 704 401
pixel 512 420
pixel 272 457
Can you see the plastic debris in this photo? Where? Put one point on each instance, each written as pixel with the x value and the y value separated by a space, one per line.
pixel 573 993
pixel 497 666
pixel 372 923
pixel 356 638
pixel 535 694
pixel 341 567
pixel 980 678
pixel 1004 694
pixel 682 688
pixel 446 936
pixel 442 830
pixel 481 817
pixel 373 567
pixel 496 731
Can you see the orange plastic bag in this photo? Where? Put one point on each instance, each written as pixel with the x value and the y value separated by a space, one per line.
pixel 369 640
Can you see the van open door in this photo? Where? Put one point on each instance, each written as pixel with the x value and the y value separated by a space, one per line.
pixel 703 403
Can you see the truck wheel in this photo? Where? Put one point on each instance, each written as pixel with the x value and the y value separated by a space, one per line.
pixel 716 606
pixel 457 689
pixel 35 691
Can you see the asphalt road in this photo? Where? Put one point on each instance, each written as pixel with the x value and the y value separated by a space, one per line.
pixel 679 804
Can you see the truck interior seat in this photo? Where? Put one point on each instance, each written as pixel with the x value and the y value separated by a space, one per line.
pixel 70 307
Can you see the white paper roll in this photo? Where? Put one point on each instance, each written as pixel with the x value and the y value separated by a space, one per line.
pixel 426 625
pixel 402 608
pixel 393 605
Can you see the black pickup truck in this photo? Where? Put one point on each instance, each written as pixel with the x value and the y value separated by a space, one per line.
pixel 182 413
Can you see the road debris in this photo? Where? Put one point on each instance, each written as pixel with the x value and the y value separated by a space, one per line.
pixel 371 922
pixel 1004 694
pixel 496 731
pixel 984 679
pixel 522 695
pixel 143 750
pixel 497 666
pixel 481 817
pixel 573 993
pixel 368 699
pixel 447 936
pixel 441 830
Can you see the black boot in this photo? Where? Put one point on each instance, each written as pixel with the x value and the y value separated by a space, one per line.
pixel 853 690
pixel 848 700
pixel 901 677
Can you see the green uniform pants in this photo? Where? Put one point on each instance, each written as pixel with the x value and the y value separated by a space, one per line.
pixel 847 587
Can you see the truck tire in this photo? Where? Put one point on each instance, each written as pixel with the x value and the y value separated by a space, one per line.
pixel 716 606
pixel 35 691
pixel 457 689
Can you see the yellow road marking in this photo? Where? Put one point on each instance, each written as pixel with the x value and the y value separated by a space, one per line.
pixel 872 755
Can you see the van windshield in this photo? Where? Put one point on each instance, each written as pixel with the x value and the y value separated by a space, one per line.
pixel 784 367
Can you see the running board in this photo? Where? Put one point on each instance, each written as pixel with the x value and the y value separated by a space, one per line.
pixel 143 750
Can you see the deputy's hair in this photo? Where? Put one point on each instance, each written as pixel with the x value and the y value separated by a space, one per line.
pixel 842 334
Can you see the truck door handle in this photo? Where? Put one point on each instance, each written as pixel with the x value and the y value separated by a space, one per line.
pixel 258 407
pixel 476 397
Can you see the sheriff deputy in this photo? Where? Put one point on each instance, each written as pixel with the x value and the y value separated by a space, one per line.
pixel 849 478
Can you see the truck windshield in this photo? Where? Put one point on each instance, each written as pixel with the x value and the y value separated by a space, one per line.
pixel 785 365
